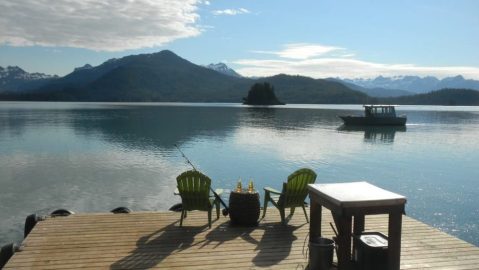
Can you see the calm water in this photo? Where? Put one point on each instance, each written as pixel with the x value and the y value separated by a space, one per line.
pixel 94 157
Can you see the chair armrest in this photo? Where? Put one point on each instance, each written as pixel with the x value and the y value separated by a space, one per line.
pixel 176 192
pixel 272 190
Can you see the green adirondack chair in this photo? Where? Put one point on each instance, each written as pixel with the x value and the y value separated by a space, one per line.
pixel 194 189
pixel 293 194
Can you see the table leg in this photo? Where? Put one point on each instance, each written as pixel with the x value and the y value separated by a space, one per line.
pixel 358 228
pixel 394 241
pixel 315 220
pixel 343 223
pixel 358 224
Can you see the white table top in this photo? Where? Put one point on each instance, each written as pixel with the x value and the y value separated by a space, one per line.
pixel 356 194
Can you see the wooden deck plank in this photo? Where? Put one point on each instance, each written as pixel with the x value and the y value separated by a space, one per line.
pixel 153 240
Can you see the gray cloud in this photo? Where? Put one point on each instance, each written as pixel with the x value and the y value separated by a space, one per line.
pixel 109 25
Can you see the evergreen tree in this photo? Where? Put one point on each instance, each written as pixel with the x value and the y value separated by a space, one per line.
pixel 262 94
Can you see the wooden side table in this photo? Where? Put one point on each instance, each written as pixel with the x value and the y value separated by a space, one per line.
pixel 357 199
pixel 244 208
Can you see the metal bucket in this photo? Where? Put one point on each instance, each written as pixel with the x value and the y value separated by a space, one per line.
pixel 321 251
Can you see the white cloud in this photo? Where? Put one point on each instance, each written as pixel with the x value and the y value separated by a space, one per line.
pixel 347 55
pixel 231 11
pixel 109 25
pixel 314 63
pixel 302 50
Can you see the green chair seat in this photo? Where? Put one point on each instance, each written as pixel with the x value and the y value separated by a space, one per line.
pixel 292 195
pixel 194 190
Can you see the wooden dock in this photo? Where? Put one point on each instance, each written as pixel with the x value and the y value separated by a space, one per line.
pixel 154 240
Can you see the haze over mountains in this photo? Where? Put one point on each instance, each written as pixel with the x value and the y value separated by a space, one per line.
pixel 166 77
pixel 374 91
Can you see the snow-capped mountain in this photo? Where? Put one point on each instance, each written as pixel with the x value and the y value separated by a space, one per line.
pixel 18 73
pixel 13 79
pixel 416 84
pixel 223 68
pixel 86 66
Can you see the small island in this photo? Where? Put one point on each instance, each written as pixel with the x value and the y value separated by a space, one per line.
pixel 262 94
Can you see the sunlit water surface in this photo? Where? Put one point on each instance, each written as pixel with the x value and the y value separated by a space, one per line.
pixel 93 157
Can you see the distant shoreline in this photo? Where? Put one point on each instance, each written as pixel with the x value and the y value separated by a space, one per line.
pixel 443 97
pixel 359 107
pixel 239 104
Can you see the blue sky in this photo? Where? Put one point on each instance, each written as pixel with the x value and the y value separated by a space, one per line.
pixel 257 38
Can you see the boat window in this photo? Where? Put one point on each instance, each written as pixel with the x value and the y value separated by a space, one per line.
pixel 379 110
pixel 368 111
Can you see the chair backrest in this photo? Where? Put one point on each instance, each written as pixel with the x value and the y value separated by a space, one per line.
pixel 194 188
pixel 296 189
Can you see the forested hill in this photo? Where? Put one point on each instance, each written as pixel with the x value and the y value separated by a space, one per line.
pixel 465 97
pixel 164 76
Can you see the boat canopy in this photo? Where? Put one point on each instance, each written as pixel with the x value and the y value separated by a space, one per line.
pixel 383 110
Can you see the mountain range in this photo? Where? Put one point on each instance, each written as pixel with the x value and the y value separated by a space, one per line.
pixel 415 84
pixel 14 79
pixel 166 77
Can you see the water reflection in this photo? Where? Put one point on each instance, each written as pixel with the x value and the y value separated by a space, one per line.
pixel 373 134
pixel 158 127
pixel 149 128
pixel 11 124
pixel 94 157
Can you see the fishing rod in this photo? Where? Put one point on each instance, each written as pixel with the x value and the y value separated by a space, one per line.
pixel 226 209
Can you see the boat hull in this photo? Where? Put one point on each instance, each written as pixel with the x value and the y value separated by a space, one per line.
pixel 374 121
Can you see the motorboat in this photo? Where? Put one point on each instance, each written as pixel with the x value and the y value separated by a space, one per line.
pixel 376 115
